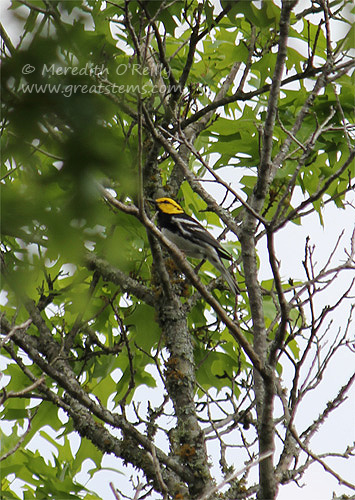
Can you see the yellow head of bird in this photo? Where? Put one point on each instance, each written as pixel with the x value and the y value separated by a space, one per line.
pixel 168 206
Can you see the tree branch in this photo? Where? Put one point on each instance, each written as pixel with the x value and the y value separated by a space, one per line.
pixel 281 331
pixel 320 461
pixel 119 278
pixel 264 170
pixel 296 212
pixel 59 370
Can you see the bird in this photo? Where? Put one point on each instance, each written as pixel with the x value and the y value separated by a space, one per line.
pixel 191 237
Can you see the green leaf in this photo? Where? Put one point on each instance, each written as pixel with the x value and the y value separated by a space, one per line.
pixel 146 330
pixel 87 450
pixel 294 348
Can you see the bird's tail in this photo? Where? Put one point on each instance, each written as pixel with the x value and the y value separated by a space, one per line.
pixel 227 276
pixel 231 281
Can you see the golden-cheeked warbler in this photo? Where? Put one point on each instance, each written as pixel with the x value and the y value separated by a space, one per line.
pixel 191 237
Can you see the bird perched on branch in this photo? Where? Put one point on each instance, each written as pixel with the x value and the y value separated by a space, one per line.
pixel 191 237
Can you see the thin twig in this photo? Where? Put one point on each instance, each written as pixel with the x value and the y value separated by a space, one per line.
pixel 114 491
pixel 320 461
pixel 159 476
pixel 296 212
pixel 222 182
pixel 6 40
pixel 230 478
pixel 15 329
pixel 281 331
pixel 21 439
pixel 24 391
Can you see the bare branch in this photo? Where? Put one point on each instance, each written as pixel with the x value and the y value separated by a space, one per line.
pixel 15 329
pixel 331 406
pixel 281 332
pixel 161 482
pixel 6 40
pixel 24 392
pixel 233 476
pixel 307 148
pixel 192 48
pixel 316 458
pixel 21 438
pixel 297 212
pixel 114 491
pixel 344 121
pixel 162 56
pixel 264 166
